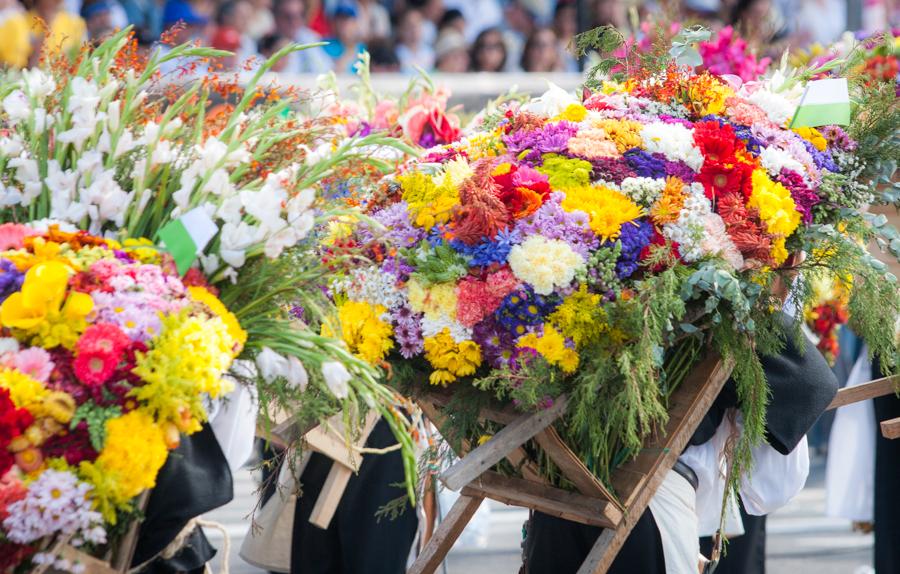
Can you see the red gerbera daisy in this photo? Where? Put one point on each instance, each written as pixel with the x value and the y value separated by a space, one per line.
pixel 720 179
pixel 93 368
pixel 103 338
pixel 717 143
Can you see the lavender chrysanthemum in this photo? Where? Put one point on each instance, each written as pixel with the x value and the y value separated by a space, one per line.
pixel 407 331
pixel 822 159
pixel 838 138
pixel 553 138
pixel 400 232
pixel 634 237
pixel 553 222
pixel 10 278
pixel 804 197
pixel 497 344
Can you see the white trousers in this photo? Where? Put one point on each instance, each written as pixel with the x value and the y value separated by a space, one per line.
pixel 674 510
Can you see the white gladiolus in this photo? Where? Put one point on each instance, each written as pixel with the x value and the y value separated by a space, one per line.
pixel 28 175
pixel 271 365
pixel 336 378
pixel 552 102
pixel 17 106
pixel 296 373
pixel 38 84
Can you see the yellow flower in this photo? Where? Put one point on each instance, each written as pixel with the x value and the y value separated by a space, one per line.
pixel 133 453
pixel 483 145
pixel 42 311
pixel 41 251
pixel 572 113
pixel 60 406
pixel 708 94
pixel 607 208
pixel 581 317
pixel 189 358
pixel 552 346
pixel 144 250
pixel 367 335
pixel 813 136
pixel 779 253
pixel 435 301
pixel 203 295
pixel 626 134
pixel 775 204
pixel 450 359
pixel 429 204
pixel 25 392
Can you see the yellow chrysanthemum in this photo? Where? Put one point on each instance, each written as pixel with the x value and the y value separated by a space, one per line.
pixel 189 358
pixel 454 173
pixel 435 301
pixel 813 136
pixel 580 317
pixel 708 94
pixel 144 250
pixel 607 208
pixel 429 204
pixel 25 392
pixel 668 207
pixel 775 204
pixel 450 359
pixel 565 172
pixel 481 145
pixel 367 335
pixel 626 134
pixel 572 113
pixel 133 453
pixel 203 295
pixel 552 346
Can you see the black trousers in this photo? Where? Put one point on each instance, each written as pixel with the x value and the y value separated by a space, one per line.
pixel 887 497
pixel 356 542
pixel 744 554
pixel 557 546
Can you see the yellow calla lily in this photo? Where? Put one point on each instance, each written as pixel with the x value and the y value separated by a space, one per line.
pixel 42 295
pixel 15 313
pixel 78 305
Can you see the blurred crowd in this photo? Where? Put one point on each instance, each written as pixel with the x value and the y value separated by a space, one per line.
pixel 405 35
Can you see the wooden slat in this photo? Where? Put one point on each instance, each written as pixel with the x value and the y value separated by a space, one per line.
pixel 891 428
pixel 870 390
pixel 445 535
pixel 572 467
pixel 696 394
pixel 334 447
pixel 519 459
pixel 547 499
pixel 495 412
pixel 330 495
pixel 501 444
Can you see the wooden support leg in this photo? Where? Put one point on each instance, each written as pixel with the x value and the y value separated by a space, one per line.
pixel 891 428
pixel 445 535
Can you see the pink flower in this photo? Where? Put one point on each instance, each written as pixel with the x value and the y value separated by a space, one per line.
pixel 474 301
pixel 502 282
pixel 386 114
pixel 12 235
pixel 34 362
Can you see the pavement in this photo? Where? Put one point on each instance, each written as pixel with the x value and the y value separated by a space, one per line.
pixel 800 538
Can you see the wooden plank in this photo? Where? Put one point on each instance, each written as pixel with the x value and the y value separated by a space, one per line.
pixel 870 390
pixel 547 499
pixel 330 495
pixel 572 467
pixel 496 412
pixel 519 459
pixel 891 429
pixel 697 393
pixel 501 444
pixel 445 535
pixel 334 447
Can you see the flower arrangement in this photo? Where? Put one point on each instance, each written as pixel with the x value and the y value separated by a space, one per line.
pixel 106 358
pixel 825 316
pixel 592 246
pixel 111 145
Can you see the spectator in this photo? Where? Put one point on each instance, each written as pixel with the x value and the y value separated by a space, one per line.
pixel 452 20
pixel 541 52
pixel 432 12
pixel 228 39
pixel 374 20
pixel 289 22
pixel 489 51
pixel 565 24
pixel 519 23
pixel 382 57
pixel 14 40
pixel 232 19
pixel 344 47
pixel 479 15
pixel 317 18
pixel 261 22
pixel 146 16
pixel 412 50
pixel 269 45
pixel 183 23
pixel 610 12
pixel 98 19
pixel 451 53
pixel 54 30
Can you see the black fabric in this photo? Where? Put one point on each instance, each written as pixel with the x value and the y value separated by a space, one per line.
pixel 801 386
pixel 744 554
pixel 194 480
pixel 557 546
pixel 887 495
pixel 355 541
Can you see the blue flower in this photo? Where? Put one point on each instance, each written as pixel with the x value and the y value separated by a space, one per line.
pixel 488 252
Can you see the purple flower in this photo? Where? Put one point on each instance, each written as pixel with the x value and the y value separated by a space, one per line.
pixel 822 159
pixel 838 138
pixel 407 331
pixel 646 164
pixel 633 238
pixel 611 169
pixel 10 278
pixel 804 197
pixel 552 138
pixel 553 222
pixel 400 231
pixel 680 170
pixel 745 134
pixel 498 346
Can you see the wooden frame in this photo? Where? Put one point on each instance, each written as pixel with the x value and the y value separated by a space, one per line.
pixel 634 482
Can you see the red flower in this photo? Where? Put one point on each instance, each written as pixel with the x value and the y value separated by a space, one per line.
pixel 717 143
pixel 480 213
pixel 522 189
pixel 103 338
pixel 93 368
pixel 720 179
pixel 13 422
pixel 746 230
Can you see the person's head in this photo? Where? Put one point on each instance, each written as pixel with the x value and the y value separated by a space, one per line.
pixel 382 57
pixel 97 16
pixel 345 24
pixel 612 12
pixel 452 20
pixel 430 9
pixel 183 21
pixel 750 17
pixel 541 53
pixel 289 17
pixel 234 14
pixel 269 45
pixel 451 53
pixel 518 17
pixel 489 51
pixel 46 7
pixel 565 20
pixel 228 39
pixel 409 28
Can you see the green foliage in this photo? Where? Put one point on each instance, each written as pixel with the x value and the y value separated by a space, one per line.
pixel 95 416
pixel 439 264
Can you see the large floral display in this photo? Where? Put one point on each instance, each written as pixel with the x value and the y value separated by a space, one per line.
pixel 593 246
